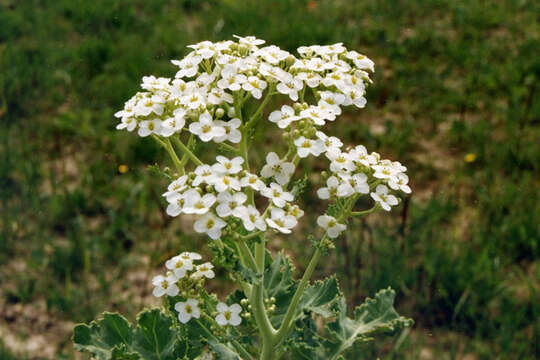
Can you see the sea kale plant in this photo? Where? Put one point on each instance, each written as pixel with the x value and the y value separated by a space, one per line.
pixel 219 96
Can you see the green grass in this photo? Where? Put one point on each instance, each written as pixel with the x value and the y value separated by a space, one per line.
pixel 453 77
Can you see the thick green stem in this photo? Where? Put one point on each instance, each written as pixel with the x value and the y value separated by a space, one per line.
pixel 289 316
pixel 186 151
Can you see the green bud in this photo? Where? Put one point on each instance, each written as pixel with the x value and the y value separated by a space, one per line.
pixel 231 113
pixel 198 189
pixel 219 113
pixel 305 106
pixel 296 134
pixel 246 315
pixel 286 136
pixel 289 61
pixel 244 302
pixel 209 188
pixel 273 300
pixel 297 107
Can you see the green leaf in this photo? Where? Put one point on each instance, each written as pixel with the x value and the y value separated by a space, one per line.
pixel 222 351
pixel 373 316
pixel 113 338
pixel 154 337
pixel 101 337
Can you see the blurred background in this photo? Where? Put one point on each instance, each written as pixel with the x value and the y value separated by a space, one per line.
pixel 455 98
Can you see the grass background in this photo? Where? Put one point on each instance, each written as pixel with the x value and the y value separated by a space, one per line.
pixel 455 98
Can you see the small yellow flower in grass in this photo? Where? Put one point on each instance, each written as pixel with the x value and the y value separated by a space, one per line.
pixel 123 168
pixel 470 158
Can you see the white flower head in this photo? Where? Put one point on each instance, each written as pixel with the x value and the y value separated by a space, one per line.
pixel 205 128
pixel 252 219
pixel 204 270
pixel 211 225
pixel 304 147
pixel 330 224
pixel 277 168
pixel 277 195
pixel 194 203
pixel 384 199
pixel 148 127
pixel 228 315
pixel 231 204
pixel 187 255
pixel 281 221
pixel 228 166
pixel 399 182
pixel 187 310
pixel 179 266
pixel 283 117
pixel 165 285
pixel 252 181
pixel 232 133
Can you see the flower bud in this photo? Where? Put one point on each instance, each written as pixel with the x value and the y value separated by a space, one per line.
pixel 286 136
pixel 290 60
pixel 231 112
pixel 246 315
pixel 219 113
pixel 297 107
pixel 244 302
pixel 296 134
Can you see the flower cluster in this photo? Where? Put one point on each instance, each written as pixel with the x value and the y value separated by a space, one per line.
pixel 206 100
pixel 224 197
pixel 183 271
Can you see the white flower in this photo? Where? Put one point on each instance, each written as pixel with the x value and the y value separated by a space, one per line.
pixel 176 204
pixel 359 183
pixel 359 154
pixel 230 79
pixel 129 123
pixel 148 105
pixel 291 88
pixel 330 224
pixel 399 182
pixel 189 66
pixel 384 172
pixel 273 54
pixel 193 100
pixel 205 128
pixel 231 204
pixel 228 315
pixel 152 83
pixel 165 285
pixel 175 188
pixel 174 124
pixel 148 127
pixel 194 203
pixel 278 196
pixel 281 221
pixel 252 181
pixel 283 117
pixel 383 198
pixel 332 184
pixel 186 255
pixel 251 41
pixel 360 61
pixel 252 219
pixel 187 310
pixel 295 211
pixel 340 161
pixel 310 78
pixel 232 133
pixel 277 168
pixel 211 225
pixel 204 174
pixel 226 182
pixel 204 270
pixel 304 147
pixel 228 166
pixel 179 266
pixel 317 114
pixel 331 143
pixel 255 86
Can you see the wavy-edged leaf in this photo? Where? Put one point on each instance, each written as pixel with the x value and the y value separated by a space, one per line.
pixel 102 336
pixel 154 338
pixel 373 316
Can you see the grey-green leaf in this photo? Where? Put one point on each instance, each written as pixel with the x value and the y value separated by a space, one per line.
pixel 102 336
pixel 373 316
pixel 154 338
